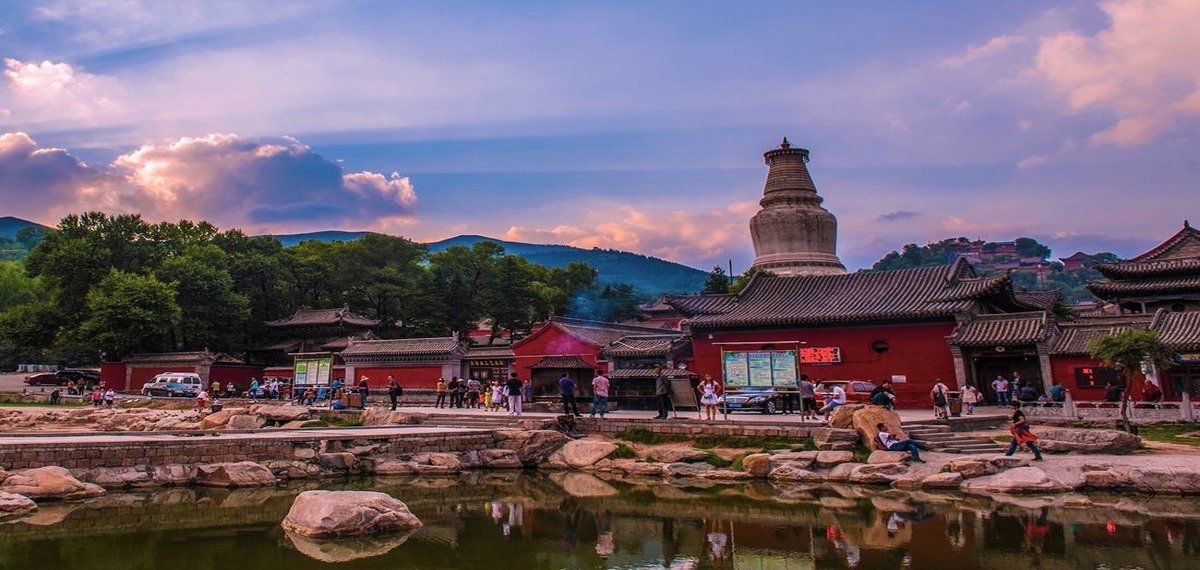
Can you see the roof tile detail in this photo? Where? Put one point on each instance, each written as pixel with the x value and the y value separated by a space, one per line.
pixel 1179 330
pixel 324 317
pixel 1003 330
pixel 632 346
pixel 562 362
pixel 1074 335
pixel 403 347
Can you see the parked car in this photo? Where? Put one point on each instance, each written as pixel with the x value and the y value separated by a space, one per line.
pixel 754 398
pixel 857 391
pixel 45 379
pixel 170 389
pixel 78 374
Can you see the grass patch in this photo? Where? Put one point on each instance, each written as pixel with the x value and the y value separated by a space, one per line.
pixel 623 451
pixel 1170 433
pixel 343 420
pixel 715 460
pixel 738 463
pixel 314 424
pixel 861 453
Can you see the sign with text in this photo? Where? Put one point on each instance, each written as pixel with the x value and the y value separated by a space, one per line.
pixel 313 371
pixel 821 355
pixel 760 368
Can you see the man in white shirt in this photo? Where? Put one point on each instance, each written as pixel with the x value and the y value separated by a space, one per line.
pixel 835 399
pixel 890 443
pixel 1000 387
pixel 599 394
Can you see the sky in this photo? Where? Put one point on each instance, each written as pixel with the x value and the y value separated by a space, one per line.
pixel 620 124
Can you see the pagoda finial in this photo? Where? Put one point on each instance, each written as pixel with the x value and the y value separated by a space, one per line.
pixel 785 143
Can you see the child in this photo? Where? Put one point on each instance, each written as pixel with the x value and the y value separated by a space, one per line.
pixel 497 395
pixel 487 398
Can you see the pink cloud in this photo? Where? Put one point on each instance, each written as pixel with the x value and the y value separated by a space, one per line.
pixel 38 182
pixel 1141 68
pixel 998 44
pixel 59 92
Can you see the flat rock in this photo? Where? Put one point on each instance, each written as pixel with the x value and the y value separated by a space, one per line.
pixel 500 459
pixel 950 480
pixel 1008 461
pixel 972 468
pixel 643 469
pixel 340 461
pixel 532 447
pixel 827 459
pixel 677 454
pixel 1019 480
pixel 582 453
pixel 280 413
pixel 686 469
pixel 880 456
pixel 382 417
pixel 13 505
pixel 793 471
pixel 49 483
pixel 387 467
pixel 245 422
pixel 1068 440
pixel 241 474
pixel 842 472
pixel 346 513
pixel 881 473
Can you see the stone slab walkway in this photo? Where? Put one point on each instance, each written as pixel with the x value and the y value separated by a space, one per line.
pixel 277 434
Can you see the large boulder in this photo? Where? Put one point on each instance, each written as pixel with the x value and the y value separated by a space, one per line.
pixel 793 471
pixel 245 422
pixel 383 417
pixel 843 416
pixel 1106 441
pixel 532 447
pixel 49 483
pixel 282 414
pixel 13 505
pixel 500 459
pixel 241 474
pixel 217 420
pixel 347 513
pixel 867 417
pixel 827 459
pixel 757 464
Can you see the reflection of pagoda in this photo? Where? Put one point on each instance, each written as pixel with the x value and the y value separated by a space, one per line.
pixel 793 234
pixel 317 330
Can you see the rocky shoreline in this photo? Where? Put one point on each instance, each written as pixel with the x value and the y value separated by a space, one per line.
pixel 587 460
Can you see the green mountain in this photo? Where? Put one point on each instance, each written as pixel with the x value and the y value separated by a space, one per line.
pixel 289 240
pixel 9 226
pixel 648 275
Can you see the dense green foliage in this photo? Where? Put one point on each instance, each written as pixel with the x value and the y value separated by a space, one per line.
pixel 1126 350
pixel 718 282
pixel 1071 283
pixel 116 285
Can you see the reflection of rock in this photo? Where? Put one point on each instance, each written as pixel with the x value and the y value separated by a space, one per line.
pixel 241 474
pixel 14 505
pixel 50 515
pixel 347 548
pixel 578 484
pixel 49 483
pixel 342 513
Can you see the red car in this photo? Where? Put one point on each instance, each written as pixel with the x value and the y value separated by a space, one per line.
pixel 857 391
pixel 45 379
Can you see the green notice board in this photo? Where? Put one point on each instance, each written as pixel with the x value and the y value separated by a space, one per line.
pixel 759 368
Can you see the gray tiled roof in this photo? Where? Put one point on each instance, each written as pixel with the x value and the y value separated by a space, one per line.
pixel 324 317
pixel 1003 330
pixel 1179 330
pixel 598 333
pixel 1073 336
pixel 644 345
pixel 926 292
pixel 403 347
pixel 562 362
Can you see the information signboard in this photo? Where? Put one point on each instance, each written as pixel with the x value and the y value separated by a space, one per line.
pixel 313 371
pixel 760 368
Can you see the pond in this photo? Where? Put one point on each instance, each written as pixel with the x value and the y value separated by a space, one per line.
pixel 499 521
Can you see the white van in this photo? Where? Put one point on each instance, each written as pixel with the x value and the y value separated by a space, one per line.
pixel 158 386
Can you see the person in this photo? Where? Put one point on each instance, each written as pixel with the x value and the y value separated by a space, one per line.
pixel 527 390
pixel 835 398
pixel 566 390
pixel 1057 392
pixel 364 390
pixel 109 397
pixel 201 400
pixel 96 397
pixel 472 393
pixel 662 391
pixel 216 388
pixel 498 393
pixel 70 387
pixel 459 387
pixel 1021 434
pixel 600 394
pixel 808 398
pixel 394 391
pixel 337 403
pixel 441 390
pixel 890 443
pixel 514 395
pixel 971 397
pixel 1112 392
pixel 1028 393
pixel 791 398
pixel 1000 387
pixel 710 396
pixel 940 395
pixel 55 394
pixel 1151 392
pixel 884 395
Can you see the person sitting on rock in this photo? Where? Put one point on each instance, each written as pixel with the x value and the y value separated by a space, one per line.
pixel 890 443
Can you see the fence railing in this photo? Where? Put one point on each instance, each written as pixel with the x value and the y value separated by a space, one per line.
pixel 1137 412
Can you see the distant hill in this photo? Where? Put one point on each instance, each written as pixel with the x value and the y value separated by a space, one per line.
pixel 649 275
pixel 289 240
pixel 9 226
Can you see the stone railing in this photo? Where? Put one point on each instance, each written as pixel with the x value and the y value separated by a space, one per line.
pixel 1138 412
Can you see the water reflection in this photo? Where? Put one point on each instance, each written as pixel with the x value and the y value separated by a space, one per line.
pixel 510 521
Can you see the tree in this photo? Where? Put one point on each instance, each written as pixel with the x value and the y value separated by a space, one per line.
pixel 1029 247
pixel 718 282
pixel 744 279
pixel 130 313
pixel 1128 349
pixel 212 312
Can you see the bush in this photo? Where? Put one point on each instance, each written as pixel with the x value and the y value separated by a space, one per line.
pixel 623 451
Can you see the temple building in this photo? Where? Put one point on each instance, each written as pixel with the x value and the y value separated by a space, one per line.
pixel 315 331
pixel 1166 277
pixel 793 234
